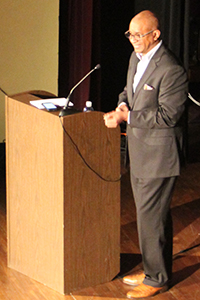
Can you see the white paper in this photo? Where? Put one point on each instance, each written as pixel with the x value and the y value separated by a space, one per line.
pixel 57 101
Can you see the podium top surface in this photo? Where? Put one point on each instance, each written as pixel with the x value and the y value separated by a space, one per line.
pixel 26 97
pixel 36 95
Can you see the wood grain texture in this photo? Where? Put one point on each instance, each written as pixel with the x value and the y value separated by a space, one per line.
pixel 63 219
pixel 92 216
pixel 35 193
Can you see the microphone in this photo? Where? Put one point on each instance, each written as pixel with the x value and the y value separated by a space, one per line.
pixel 63 112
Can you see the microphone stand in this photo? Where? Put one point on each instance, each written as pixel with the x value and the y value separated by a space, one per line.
pixel 3 92
pixel 65 110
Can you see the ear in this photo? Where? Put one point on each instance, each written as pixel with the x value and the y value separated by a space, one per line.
pixel 156 34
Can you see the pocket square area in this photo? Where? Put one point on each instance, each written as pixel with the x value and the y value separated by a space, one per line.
pixel 148 87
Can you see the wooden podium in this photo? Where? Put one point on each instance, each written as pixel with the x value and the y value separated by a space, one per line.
pixel 63 195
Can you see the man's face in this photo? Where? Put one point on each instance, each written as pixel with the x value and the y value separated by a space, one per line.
pixel 146 43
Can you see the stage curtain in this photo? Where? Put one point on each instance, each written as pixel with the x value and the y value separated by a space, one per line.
pixel 76 47
pixel 174 17
pixel 91 32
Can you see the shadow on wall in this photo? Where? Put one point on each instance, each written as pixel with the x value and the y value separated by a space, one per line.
pixel 2 158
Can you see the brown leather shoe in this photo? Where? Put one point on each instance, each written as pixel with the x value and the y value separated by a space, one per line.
pixel 143 291
pixel 134 279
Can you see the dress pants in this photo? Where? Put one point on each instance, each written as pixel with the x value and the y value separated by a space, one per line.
pixel 154 223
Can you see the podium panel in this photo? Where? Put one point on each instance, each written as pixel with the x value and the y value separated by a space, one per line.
pixel 63 195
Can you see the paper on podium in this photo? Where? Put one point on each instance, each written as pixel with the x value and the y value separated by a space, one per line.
pixel 57 101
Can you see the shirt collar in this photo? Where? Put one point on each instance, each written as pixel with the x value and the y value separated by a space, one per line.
pixel 149 54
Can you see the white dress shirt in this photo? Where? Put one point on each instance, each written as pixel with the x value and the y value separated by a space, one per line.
pixel 141 67
pixel 143 64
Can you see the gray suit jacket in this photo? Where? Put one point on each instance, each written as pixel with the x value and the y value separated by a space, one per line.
pixel 156 107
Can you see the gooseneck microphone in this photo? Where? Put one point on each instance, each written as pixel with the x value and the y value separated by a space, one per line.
pixel 64 112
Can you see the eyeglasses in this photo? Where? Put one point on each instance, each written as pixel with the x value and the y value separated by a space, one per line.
pixel 136 36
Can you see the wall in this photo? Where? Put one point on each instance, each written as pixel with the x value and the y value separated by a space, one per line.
pixel 28 48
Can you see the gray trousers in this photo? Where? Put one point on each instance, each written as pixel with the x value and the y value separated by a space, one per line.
pixel 154 223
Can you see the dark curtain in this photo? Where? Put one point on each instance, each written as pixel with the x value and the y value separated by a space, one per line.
pixel 174 17
pixel 92 32
pixel 76 55
pixel 115 49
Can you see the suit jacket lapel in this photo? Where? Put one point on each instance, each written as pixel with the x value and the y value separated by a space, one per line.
pixel 150 69
pixel 131 75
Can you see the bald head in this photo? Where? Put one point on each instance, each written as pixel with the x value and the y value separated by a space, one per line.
pixel 148 19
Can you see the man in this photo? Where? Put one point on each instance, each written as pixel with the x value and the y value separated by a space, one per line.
pixel 152 103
